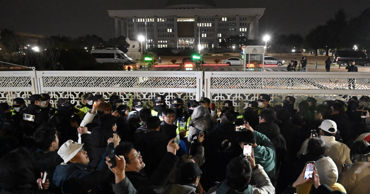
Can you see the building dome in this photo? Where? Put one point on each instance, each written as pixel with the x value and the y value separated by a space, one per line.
pixel 183 4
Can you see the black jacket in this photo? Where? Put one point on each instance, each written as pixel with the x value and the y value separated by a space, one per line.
pixel 147 185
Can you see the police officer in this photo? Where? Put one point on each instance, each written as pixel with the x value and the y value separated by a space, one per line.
pixel 18 107
pixel 86 104
pixel 229 107
pixel 66 120
pixel 137 105
pixel 31 117
pixel 115 101
pixel 159 107
pixel 177 105
pixel 46 110
pixel 192 104
pixel 264 101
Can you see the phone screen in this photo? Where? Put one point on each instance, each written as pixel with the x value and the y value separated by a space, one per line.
pixel 44 177
pixel 308 174
pixel 247 150
pixel 177 139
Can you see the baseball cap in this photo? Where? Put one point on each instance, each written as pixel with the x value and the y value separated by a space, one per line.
pixel 264 97
pixel 68 150
pixel 329 126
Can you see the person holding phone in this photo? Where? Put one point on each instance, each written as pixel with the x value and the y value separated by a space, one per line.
pixel 322 165
pixel 239 172
pixel 308 182
pixel 135 165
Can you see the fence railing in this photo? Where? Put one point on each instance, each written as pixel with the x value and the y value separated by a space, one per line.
pixel 221 85
pixel 240 86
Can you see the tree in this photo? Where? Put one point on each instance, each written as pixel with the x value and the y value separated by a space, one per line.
pixel 90 41
pixel 119 42
pixel 283 43
pixel 10 40
pixel 332 35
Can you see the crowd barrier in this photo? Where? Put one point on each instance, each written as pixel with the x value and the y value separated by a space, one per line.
pixel 188 85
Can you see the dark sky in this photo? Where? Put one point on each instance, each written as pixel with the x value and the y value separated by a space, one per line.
pixel 79 17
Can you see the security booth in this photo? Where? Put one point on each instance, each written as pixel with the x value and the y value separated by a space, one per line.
pixel 253 58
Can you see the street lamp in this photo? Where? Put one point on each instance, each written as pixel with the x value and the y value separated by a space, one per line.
pixel 200 48
pixel 36 49
pixel 355 47
pixel 266 38
pixel 141 39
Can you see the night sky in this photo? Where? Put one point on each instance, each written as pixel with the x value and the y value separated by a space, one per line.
pixel 80 17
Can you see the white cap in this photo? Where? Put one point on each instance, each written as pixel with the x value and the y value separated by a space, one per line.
pixel 329 126
pixel 69 149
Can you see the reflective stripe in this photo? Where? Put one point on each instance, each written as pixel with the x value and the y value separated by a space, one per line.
pixel 154 113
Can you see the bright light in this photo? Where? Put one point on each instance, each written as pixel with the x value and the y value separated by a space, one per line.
pixel 233 47
pixel 266 38
pixel 293 50
pixel 355 47
pixel 200 47
pixel 36 49
pixel 141 38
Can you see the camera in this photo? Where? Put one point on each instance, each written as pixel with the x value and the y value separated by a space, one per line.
pixel 239 128
pixel 314 133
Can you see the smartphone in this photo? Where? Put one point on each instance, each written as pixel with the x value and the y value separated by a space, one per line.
pixel 247 150
pixel 44 175
pixel 308 173
pixel 239 128
pixel 111 155
pixel 177 139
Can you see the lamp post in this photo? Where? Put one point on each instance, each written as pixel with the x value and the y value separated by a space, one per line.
pixel 266 38
pixel 141 39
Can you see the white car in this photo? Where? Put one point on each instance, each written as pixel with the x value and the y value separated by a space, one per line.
pixel 233 61
pixel 273 62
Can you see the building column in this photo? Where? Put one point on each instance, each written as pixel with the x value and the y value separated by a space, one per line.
pixel 116 29
pixel 122 27
pixel 196 33
pixel 155 32
pixel 176 38
pixel 134 34
pixel 253 28
pixel 215 41
pixel 237 20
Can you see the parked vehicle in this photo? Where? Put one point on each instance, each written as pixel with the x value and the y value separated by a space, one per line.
pixel 111 55
pixel 344 57
pixel 272 61
pixel 233 61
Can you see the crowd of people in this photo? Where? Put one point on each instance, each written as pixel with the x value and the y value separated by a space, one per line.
pixel 190 147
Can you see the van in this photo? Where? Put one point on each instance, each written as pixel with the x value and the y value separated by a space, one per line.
pixel 111 55
pixel 344 57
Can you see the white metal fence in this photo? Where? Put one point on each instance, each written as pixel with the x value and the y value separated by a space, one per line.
pixel 221 85
pixel 240 86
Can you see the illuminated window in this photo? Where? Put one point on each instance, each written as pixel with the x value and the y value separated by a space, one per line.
pixel 219 35
pixel 204 35
pixel 242 29
pixel 161 19
pixel 169 29
pixel 220 40
pixel 204 24
pixel 185 19
pixel 224 19
pixel 162 45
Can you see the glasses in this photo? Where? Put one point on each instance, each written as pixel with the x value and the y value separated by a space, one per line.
pixel 137 155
